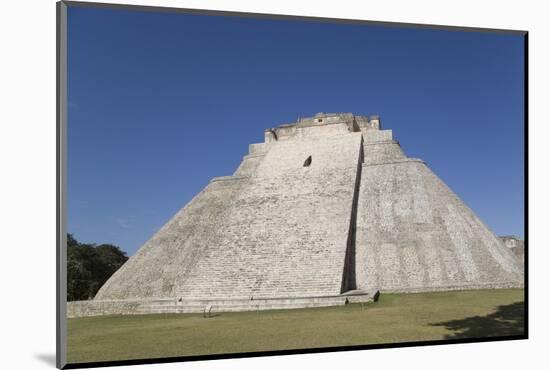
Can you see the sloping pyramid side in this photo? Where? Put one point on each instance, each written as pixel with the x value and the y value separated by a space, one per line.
pixel 155 268
pixel 274 229
pixel 415 234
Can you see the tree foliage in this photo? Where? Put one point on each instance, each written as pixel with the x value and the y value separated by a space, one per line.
pixel 89 266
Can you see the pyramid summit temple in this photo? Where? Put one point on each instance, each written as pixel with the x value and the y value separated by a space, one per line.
pixel 327 210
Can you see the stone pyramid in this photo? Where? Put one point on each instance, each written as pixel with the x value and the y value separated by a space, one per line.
pixel 327 205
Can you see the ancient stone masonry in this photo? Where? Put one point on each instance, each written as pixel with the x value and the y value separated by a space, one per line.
pixel 325 211
pixel 516 245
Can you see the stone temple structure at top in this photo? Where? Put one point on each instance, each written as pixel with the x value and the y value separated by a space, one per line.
pixel 325 208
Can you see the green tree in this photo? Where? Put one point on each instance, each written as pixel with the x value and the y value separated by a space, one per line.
pixel 89 266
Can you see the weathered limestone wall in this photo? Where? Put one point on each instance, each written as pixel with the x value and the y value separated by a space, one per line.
pixel 287 230
pixel 371 136
pixel 516 245
pixel 205 306
pixel 381 151
pixel 275 228
pixel 165 260
pixel 249 164
pixel 415 234
pixel 98 308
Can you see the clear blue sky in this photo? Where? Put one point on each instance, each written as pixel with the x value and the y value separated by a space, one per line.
pixel 160 103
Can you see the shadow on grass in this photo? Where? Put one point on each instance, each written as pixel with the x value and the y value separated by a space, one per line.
pixel 507 320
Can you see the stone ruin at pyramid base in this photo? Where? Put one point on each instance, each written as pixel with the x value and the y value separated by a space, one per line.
pixel 209 306
pixel 326 211
pixel 517 246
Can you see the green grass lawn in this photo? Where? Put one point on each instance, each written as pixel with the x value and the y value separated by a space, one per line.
pixel 394 318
